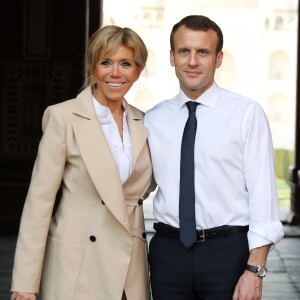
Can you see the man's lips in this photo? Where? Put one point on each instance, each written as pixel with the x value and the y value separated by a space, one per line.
pixel 192 73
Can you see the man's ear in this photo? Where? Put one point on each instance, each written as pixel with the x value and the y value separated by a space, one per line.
pixel 219 59
pixel 172 58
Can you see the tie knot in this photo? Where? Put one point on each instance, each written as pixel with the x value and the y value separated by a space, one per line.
pixel 192 105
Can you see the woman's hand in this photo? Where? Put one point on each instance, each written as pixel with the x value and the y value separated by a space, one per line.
pixel 22 296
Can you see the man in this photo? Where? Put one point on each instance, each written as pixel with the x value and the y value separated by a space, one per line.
pixel 231 182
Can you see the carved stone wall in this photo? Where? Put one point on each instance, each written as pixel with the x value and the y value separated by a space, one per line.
pixel 28 88
pixel 41 60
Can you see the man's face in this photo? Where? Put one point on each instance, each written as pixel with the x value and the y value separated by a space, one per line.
pixel 195 59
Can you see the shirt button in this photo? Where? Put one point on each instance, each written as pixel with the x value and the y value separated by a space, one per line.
pixel 102 202
pixel 144 235
pixel 140 202
pixel 92 238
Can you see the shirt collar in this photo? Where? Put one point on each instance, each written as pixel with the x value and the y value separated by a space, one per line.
pixel 104 113
pixel 208 98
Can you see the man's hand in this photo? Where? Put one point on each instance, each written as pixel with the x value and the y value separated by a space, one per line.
pixel 249 287
pixel 22 296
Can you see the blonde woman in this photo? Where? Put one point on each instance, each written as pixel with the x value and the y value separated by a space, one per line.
pixel 94 146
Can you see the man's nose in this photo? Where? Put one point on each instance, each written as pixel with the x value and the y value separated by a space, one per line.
pixel 193 59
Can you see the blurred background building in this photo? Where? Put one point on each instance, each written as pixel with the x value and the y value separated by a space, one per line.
pixel 260 59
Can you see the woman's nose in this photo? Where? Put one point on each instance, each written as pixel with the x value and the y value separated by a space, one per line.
pixel 115 70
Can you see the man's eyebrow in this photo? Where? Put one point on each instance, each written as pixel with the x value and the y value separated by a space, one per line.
pixel 183 48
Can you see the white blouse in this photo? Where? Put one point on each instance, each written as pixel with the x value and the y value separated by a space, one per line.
pixel 121 151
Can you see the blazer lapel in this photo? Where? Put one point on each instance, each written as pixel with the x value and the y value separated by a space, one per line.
pixel 138 131
pixel 98 158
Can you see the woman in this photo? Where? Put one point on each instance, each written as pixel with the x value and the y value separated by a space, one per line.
pixel 95 146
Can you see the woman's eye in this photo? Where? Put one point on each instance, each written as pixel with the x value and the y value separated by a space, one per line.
pixel 126 64
pixel 104 63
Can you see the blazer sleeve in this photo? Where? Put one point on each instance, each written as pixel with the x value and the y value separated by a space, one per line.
pixel 45 181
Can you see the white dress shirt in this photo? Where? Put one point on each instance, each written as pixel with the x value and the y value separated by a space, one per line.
pixel 121 151
pixel 234 166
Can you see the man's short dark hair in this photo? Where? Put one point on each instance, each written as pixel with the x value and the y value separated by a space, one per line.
pixel 198 22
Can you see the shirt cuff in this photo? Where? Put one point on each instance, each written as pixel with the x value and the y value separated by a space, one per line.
pixel 266 234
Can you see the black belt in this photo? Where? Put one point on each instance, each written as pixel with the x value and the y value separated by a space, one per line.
pixel 203 234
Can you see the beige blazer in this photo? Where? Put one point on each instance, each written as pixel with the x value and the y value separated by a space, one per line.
pixel 94 246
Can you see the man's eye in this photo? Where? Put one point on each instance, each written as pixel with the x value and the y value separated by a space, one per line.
pixel 184 51
pixel 203 52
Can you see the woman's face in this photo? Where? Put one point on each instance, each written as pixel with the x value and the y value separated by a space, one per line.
pixel 115 75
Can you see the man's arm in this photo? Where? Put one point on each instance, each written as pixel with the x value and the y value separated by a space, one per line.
pixel 249 286
pixel 151 188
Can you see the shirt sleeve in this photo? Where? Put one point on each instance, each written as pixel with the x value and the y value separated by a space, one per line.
pixel 264 219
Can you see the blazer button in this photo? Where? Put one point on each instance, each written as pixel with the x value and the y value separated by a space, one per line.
pixel 144 235
pixel 102 202
pixel 140 202
pixel 92 238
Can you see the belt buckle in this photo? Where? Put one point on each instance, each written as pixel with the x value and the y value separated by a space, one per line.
pixel 201 236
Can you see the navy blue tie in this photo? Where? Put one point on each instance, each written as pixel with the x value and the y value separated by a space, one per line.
pixel 187 219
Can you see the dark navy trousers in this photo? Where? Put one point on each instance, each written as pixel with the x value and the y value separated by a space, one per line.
pixel 208 271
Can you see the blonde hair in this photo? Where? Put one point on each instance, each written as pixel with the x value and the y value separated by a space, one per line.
pixel 106 41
